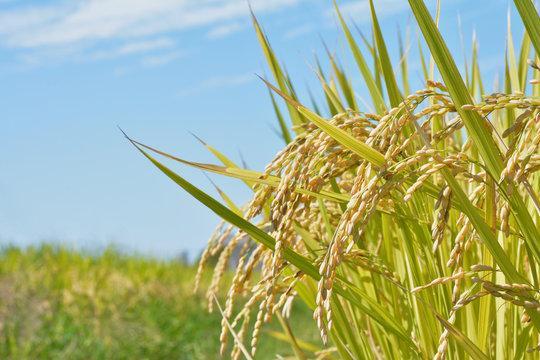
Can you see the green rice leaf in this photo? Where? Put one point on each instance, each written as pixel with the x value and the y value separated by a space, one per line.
pixel 463 340
pixel 251 176
pixel 285 134
pixel 364 304
pixel 388 71
pixel 531 20
pixel 376 95
pixel 276 70
pixel 478 128
pixel 344 138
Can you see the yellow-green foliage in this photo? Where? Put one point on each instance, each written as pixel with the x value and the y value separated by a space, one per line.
pixel 61 304
pixel 411 230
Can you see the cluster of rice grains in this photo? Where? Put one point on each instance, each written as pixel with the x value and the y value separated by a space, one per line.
pixel 419 139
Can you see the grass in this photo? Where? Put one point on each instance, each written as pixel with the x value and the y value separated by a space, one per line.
pixel 61 304
pixel 409 225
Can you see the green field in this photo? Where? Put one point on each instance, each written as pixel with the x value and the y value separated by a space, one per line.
pixel 62 304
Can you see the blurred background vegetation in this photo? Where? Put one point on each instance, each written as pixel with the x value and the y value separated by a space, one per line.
pixel 61 304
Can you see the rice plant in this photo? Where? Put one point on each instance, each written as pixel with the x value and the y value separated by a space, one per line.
pixel 59 303
pixel 412 230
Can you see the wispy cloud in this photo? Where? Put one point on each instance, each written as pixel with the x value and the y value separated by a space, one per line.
pixel 91 30
pixel 95 20
pixel 218 82
pixel 161 59
pixel 134 47
pixel 225 30
pixel 360 12
pixel 150 61
pixel 298 31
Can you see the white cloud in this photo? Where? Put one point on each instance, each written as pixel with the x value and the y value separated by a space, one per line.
pixel 90 30
pixel 161 59
pixel 150 61
pixel 134 47
pixel 360 11
pixel 298 31
pixel 13 22
pixel 95 20
pixel 224 30
pixel 216 82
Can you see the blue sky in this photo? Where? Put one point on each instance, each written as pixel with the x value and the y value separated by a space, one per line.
pixel 71 71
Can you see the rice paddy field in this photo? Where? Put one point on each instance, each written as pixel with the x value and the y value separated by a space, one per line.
pixel 408 221
pixel 404 224
pixel 61 304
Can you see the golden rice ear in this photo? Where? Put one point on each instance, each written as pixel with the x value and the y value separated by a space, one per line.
pixel 391 215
